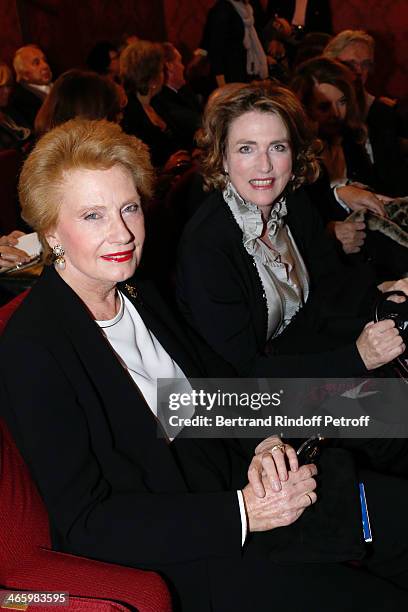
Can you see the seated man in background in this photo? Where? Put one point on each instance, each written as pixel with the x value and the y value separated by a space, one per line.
pixel 176 102
pixel 33 76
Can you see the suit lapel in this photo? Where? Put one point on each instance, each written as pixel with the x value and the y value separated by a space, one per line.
pixel 129 417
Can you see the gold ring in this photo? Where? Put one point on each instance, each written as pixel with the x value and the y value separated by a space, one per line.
pixel 311 501
pixel 281 447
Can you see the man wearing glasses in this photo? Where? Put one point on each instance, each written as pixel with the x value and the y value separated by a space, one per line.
pixel 355 49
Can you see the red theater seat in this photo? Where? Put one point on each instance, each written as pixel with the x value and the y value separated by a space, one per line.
pixel 27 562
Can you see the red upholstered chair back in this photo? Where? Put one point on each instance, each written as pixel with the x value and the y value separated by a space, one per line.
pixel 7 310
pixel 10 165
pixel 23 517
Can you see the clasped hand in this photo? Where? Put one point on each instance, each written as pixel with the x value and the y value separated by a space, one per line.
pixel 278 490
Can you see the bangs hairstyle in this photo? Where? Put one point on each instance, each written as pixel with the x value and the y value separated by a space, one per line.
pixel 140 63
pixel 320 70
pixel 78 144
pixel 6 76
pixel 229 103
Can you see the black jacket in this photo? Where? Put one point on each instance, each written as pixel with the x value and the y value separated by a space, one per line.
pixel 113 488
pixel 318 13
pixel 25 104
pixel 181 111
pixel 135 121
pixel 221 296
pixel 115 491
pixel 390 166
pixel 223 39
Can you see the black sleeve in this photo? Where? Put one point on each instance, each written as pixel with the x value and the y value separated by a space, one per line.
pixel 339 293
pixel 213 297
pixel 90 513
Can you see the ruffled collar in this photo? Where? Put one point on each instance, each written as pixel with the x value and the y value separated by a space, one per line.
pixel 249 219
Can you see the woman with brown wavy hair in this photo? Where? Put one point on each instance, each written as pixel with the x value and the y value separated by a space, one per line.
pixel 349 179
pixel 258 278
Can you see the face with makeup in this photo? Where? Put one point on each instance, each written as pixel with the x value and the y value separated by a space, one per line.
pixel 328 108
pixel 100 226
pixel 258 158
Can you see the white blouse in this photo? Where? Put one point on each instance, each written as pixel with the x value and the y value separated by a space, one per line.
pixel 139 351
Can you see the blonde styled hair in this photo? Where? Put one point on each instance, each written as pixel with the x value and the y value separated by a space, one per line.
pixel 6 76
pixel 76 144
pixel 234 100
pixel 140 63
pixel 345 38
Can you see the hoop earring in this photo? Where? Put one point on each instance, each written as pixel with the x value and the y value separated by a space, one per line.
pixel 58 252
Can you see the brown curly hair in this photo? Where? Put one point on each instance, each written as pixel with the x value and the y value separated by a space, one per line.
pixel 230 102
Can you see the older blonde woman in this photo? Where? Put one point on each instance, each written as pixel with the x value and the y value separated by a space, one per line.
pixel 89 342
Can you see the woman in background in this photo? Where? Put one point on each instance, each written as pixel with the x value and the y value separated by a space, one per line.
pixel 326 89
pixel 141 69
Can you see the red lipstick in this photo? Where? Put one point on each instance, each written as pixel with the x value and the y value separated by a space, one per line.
pixel 119 257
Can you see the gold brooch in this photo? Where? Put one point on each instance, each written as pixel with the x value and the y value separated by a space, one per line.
pixel 132 291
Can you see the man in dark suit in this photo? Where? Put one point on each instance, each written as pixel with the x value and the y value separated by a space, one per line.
pixel 177 103
pixel 33 76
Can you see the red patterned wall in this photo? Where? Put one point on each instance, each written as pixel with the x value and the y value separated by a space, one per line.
pixel 10 38
pixel 67 30
pixel 185 20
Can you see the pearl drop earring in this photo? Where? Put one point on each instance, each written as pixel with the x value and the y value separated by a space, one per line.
pixel 58 252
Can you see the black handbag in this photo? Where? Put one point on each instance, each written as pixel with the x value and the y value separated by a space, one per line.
pixel 386 309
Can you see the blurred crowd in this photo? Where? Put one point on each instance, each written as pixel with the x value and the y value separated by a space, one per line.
pixel 159 96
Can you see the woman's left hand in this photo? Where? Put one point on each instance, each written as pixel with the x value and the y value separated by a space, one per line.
pixel 270 462
pixel 360 199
